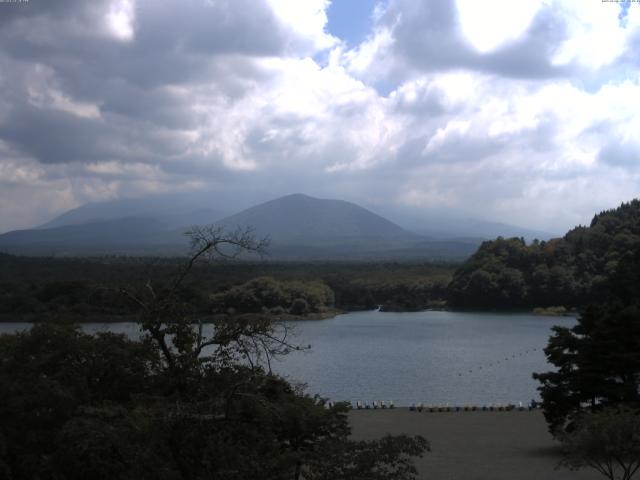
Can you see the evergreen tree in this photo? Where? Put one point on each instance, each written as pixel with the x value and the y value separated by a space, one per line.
pixel 597 360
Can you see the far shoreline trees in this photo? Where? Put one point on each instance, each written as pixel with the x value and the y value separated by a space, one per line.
pixel 40 288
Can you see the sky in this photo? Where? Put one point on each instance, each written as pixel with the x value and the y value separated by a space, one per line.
pixel 525 112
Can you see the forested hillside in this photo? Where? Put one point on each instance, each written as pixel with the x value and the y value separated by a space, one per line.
pixel 568 271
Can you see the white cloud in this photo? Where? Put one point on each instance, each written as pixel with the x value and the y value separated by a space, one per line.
pixel 595 36
pixel 489 24
pixel 120 19
pixel 273 106
pixel 365 59
pixel 307 19
pixel 59 101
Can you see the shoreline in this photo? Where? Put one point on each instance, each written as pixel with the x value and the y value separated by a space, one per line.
pixel 286 317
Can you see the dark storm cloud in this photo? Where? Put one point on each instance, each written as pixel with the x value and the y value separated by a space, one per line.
pixel 174 42
pixel 53 136
pixel 204 45
pixel 188 26
pixel 232 98
pixel 158 107
pixel 428 38
pixel 35 8
pixel 188 43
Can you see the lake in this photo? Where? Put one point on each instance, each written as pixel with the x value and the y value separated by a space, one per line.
pixel 430 357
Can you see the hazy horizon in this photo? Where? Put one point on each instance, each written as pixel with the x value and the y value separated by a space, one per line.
pixel 523 112
pixel 176 203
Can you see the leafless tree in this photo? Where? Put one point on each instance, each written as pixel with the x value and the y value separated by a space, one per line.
pixel 168 322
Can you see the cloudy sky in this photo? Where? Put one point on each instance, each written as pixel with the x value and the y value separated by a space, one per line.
pixel 522 111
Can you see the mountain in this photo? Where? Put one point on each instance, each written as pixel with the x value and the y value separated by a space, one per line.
pixel 570 271
pixel 474 228
pixel 300 227
pixel 179 209
pixel 129 235
pixel 303 227
pixel 172 210
pixel 299 217
pixel 445 225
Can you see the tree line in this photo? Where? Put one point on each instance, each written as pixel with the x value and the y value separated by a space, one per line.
pixel 86 289
pixel 571 271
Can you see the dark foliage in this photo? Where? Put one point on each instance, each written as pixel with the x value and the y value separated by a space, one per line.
pixel 56 380
pixel 267 295
pixel 598 360
pixel 88 288
pixel 184 402
pixel 607 441
pixel 569 271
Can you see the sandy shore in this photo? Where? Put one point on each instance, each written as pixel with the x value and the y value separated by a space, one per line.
pixel 474 445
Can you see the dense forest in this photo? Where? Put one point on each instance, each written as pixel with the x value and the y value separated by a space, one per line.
pixel 569 271
pixel 90 288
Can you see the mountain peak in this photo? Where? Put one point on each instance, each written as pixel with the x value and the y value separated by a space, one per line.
pixel 298 216
pixel 300 227
pixel 296 196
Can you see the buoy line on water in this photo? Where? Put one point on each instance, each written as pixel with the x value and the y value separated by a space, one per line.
pixel 420 407
pixel 381 404
pixel 501 361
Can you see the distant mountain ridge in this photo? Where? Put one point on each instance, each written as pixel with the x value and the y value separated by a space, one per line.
pixel 129 235
pixel 171 210
pixel 300 228
pixel 443 225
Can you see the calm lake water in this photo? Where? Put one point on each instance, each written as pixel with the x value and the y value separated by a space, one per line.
pixel 430 357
